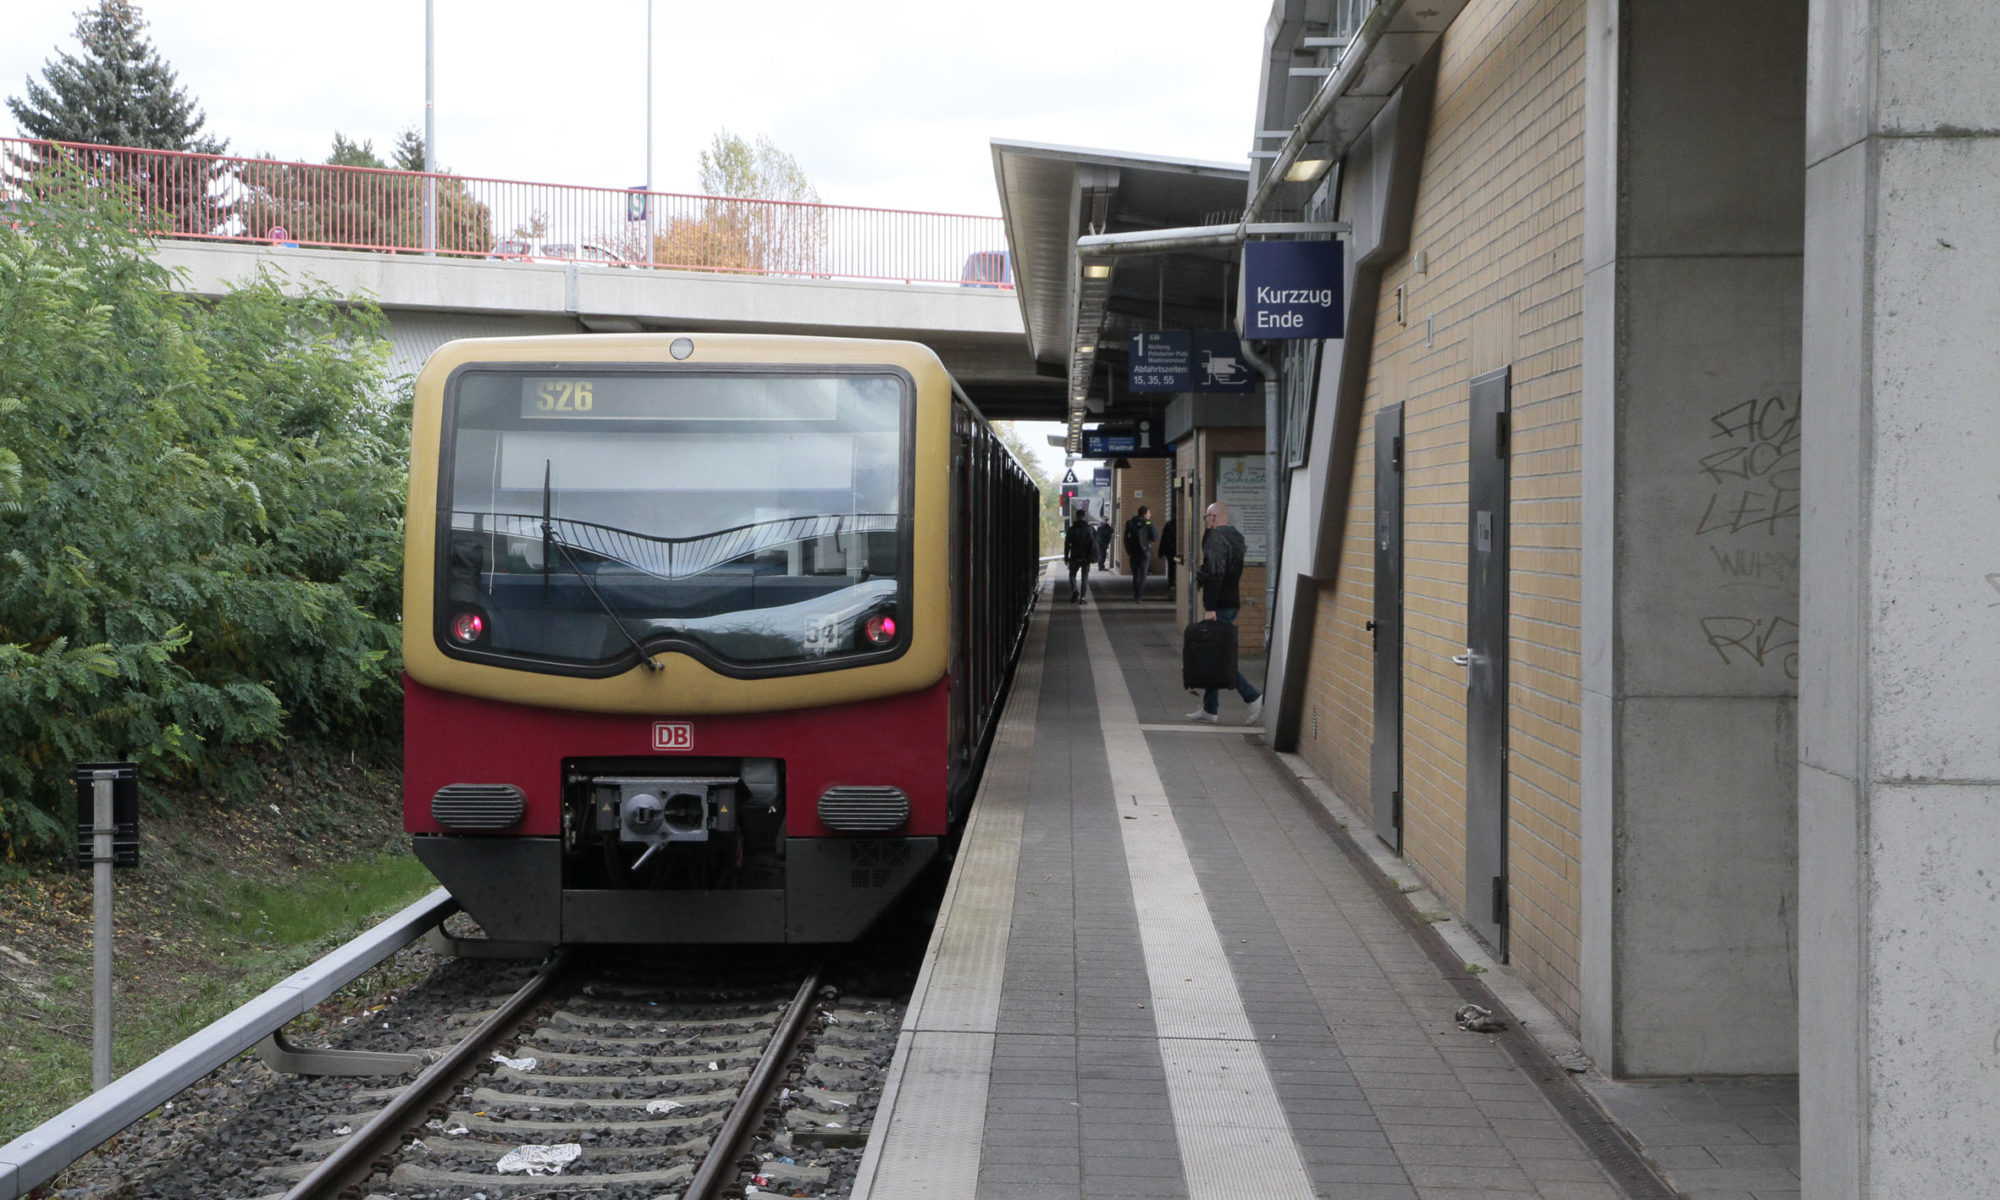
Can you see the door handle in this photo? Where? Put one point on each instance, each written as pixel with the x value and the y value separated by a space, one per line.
pixel 1465 660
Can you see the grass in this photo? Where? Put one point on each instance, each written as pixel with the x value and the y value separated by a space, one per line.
pixel 252 933
pixel 228 900
pixel 322 905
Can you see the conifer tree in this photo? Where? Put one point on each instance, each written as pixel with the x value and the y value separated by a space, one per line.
pixel 119 92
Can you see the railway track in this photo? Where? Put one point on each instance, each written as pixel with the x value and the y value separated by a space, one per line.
pixel 644 1074
pixel 623 1081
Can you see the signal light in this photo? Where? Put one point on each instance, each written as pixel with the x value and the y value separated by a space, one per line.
pixel 881 629
pixel 467 628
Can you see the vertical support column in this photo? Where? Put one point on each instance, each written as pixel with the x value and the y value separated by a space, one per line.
pixel 1691 410
pixel 1899 771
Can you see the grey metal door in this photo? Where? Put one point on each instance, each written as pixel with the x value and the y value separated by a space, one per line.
pixel 1386 754
pixel 1485 662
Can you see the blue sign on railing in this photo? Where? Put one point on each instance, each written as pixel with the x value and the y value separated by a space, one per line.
pixel 1292 290
pixel 1159 361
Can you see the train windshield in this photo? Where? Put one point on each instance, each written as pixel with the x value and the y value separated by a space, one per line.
pixel 756 520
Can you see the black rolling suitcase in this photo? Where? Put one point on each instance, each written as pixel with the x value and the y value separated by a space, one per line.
pixel 1208 655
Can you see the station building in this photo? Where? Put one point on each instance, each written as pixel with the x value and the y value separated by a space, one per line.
pixel 1634 557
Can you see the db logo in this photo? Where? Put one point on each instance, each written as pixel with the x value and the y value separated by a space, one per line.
pixel 673 735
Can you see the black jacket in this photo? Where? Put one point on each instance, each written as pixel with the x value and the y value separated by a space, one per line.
pixel 1079 545
pixel 1221 566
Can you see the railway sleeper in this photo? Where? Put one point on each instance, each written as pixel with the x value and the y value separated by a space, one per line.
pixel 762 1019
pixel 409 1177
pixel 567 1130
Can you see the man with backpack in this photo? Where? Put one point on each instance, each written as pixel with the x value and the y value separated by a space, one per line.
pixel 1221 567
pixel 1079 548
pixel 1139 541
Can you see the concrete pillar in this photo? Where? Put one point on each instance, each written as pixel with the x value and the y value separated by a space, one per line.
pixel 1691 411
pixel 1899 722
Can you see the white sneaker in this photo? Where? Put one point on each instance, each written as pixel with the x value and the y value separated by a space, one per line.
pixel 1202 714
pixel 1256 710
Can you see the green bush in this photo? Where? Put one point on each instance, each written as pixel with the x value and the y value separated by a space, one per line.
pixel 200 514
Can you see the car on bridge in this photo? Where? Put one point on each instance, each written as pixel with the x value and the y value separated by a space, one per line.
pixel 987 269
pixel 545 250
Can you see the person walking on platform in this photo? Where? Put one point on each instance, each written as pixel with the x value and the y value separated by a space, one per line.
pixel 1079 547
pixel 1221 567
pixel 1103 536
pixel 1139 541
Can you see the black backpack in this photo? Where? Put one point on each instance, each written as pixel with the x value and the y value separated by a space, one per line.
pixel 1132 538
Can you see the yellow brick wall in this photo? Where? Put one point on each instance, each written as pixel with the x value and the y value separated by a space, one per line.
pixel 1499 219
pixel 1144 482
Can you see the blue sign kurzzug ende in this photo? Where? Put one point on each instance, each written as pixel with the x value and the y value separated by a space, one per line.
pixel 1292 290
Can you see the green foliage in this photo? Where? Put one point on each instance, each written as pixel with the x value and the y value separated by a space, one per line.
pixel 332 207
pixel 732 235
pixel 354 154
pixel 734 167
pixel 200 517
pixel 1052 530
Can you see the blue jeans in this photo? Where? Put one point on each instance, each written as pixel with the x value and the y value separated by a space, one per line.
pixel 1208 698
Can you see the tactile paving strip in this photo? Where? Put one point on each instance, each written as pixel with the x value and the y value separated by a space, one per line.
pixel 934 1098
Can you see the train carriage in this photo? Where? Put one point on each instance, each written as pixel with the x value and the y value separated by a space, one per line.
pixel 704 634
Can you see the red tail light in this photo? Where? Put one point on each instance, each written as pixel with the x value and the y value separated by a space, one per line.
pixel 467 628
pixel 881 629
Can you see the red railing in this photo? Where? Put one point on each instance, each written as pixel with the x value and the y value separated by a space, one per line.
pixel 221 198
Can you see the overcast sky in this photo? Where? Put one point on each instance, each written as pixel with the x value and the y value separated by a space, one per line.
pixel 884 103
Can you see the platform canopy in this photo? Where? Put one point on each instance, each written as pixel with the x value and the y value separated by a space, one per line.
pixel 1052 195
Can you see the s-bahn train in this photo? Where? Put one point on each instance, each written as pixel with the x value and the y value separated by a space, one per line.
pixel 704 634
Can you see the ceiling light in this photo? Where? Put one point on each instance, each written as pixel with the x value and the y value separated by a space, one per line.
pixel 1306 170
pixel 1086 349
pixel 1097 271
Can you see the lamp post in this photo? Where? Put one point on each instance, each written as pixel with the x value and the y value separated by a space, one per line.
pixel 430 127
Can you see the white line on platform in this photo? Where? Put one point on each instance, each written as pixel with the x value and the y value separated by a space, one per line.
pixel 1193 727
pixel 1234 1138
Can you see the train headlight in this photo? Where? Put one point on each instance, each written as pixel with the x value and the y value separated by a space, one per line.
pixel 467 628
pixel 881 629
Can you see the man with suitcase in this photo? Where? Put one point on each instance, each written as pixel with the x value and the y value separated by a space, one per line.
pixel 1221 567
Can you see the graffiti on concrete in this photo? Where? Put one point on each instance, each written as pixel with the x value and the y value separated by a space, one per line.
pixel 1758 641
pixel 1754 471
pixel 1754 568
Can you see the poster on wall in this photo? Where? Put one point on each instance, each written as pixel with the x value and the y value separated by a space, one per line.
pixel 1239 483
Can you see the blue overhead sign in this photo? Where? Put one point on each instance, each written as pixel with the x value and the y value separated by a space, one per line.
pixel 1159 361
pixel 1100 477
pixel 1292 290
pixel 1219 365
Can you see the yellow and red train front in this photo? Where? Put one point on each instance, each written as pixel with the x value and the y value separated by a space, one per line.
pixel 660 589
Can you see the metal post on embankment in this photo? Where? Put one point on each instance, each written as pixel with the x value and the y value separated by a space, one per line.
pixel 100 946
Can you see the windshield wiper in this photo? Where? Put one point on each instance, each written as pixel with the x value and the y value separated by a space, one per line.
pixel 551 538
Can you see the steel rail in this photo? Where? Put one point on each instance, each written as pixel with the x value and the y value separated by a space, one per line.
pixel 718 1169
pixel 38 1155
pixel 354 1160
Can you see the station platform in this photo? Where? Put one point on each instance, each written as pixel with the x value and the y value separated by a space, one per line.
pixel 1163 969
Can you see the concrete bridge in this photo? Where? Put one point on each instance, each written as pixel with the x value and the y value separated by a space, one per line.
pixel 976 331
